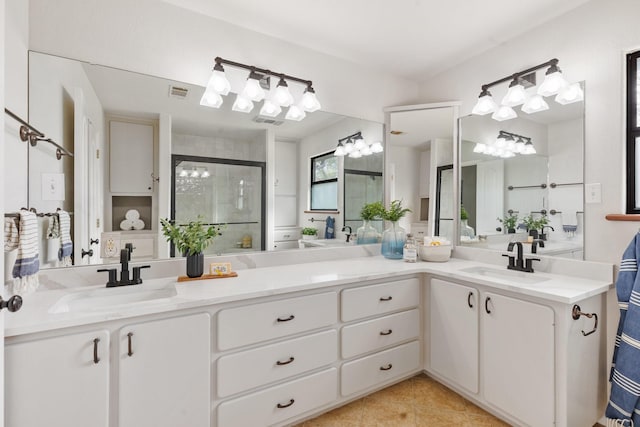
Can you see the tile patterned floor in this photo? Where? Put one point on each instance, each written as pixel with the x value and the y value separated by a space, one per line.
pixel 416 402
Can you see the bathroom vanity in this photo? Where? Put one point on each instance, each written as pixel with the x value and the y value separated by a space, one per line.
pixel 281 344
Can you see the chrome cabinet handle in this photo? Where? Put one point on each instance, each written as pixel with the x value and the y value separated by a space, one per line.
pixel 280 319
pixel 486 305
pixel 286 405
pixel 469 299
pixel 130 352
pixel 386 368
pixel 96 359
pixel 291 359
pixel 387 332
pixel 389 298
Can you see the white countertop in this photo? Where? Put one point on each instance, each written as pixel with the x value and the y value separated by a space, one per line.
pixel 260 282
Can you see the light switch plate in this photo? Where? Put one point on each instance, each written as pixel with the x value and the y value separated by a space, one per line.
pixel 593 193
pixel 53 186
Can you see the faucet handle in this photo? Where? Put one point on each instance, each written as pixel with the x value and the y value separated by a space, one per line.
pixel 136 274
pixel 528 264
pixel 512 260
pixel 112 276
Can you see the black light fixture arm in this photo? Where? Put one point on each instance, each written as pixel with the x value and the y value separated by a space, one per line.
pixel 550 63
pixel 220 61
pixel 346 138
pixel 504 132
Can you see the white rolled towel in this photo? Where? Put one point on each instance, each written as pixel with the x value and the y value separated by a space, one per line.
pixel 138 224
pixel 570 218
pixel 127 224
pixel 132 215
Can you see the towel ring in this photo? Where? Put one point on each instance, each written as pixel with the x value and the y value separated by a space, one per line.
pixel 576 313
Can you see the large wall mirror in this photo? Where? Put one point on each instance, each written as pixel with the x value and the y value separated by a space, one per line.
pixel 144 149
pixel 547 183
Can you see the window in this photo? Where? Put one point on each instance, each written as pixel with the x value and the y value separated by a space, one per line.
pixel 324 182
pixel 633 135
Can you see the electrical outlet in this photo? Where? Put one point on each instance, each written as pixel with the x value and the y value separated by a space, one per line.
pixel 593 193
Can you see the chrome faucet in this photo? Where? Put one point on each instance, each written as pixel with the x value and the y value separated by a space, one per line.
pixel 349 233
pixel 519 263
pixel 125 258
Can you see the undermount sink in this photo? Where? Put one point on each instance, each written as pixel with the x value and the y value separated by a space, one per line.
pixel 323 243
pixel 109 298
pixel 511 275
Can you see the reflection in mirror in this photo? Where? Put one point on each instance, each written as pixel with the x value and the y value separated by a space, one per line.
pixel 362 184
pixel 547 184
pixel 124 128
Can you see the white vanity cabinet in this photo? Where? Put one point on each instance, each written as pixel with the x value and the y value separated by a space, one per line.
pixel 164 375
pixel 76 390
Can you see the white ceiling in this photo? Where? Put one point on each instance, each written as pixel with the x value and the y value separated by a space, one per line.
pixel 414 39
pixel 420 127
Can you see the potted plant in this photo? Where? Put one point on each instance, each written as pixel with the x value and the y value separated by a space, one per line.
pixel 509 222
pixel 534 225
pixel 191 240
pixel 393 238
pixel 309 233
pixel 367 233
pixel 466 231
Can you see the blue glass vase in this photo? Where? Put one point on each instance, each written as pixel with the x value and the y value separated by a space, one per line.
pixel 393 239
pixel 366 234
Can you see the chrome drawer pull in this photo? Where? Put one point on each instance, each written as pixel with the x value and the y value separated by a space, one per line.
pixel 280 319
pixel 389 298
pixel 291 359
pixel 286 405
pixel 387 332
pixel 130 352
pixel 96 359
pixel 386 368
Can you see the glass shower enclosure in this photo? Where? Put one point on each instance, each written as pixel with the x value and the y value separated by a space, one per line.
pixel 221 191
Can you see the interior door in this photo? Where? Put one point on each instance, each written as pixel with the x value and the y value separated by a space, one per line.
pixel 96 195
pixel 489 195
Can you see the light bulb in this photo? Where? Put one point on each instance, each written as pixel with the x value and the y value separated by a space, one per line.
pixel 218 82
pixel 570 94
pixel 529 148
pixel 270 109
pixel 348 147
pixel 211 99
pixel 183 173
pixel 516 95
pixel 340 151
pixel 359 143
pixel 535 104
pixel 480 148
pixel 485 104
pixel 553 82
pixel 195 174
pixel 282 96
pixel 252 89
pixel 366 150
pixel 377 147
pixel 519 148
pixel 205 174
pixel 242 104
pixel 504 113
pixel 309 100
pixel 295 113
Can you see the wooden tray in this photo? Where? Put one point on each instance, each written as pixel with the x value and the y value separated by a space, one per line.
pixel 207 277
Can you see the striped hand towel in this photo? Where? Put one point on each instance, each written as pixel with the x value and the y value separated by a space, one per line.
pixel 623 408
pixel 66 245
pixel 10 234
pixel 25 271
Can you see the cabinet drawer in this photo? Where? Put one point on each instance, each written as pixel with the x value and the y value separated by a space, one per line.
pixel 380 299
pixel 245 370
pixel 279 403
pixel 380 367
pixel 378 333
pixel 261 322
pixel 287 234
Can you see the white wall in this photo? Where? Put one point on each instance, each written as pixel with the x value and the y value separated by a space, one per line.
pixel 589 43
pixel 404 171
pixel 160 39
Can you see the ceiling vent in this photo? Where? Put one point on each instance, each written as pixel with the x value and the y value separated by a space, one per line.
pixel 178 92
pixel 268 120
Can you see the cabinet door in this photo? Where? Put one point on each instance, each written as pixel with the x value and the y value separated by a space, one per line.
pixel 130 158
pixel 453 312
pixel 56 382
pixel 518 358
pixel 164 375
pixel 286 169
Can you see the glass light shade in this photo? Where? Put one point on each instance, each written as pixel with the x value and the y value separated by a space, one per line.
pixel 552 84
pixel 310 102
pixel 490 150
pixel 295 113
pixel 508 154
pixel 570 94
pixel 499 152
pixel 479 148
pixel 355 154
pixel 511 145
pixel 242 104
pixel 485 105
pixel 366 150
pixel 504 113
pixel 519 148
pixel 253 91
pixel 270 109
pixel 348 147
pixel 183 173
pixel 377 147
pixel 194 173
pixel 219 83
pixel 340 151
pixel 282 96
pixel 211 99
pixel 359 143
pixel 205 174
pixel 501 142
pixel 529 148
pixel 516 95
pixel 535 104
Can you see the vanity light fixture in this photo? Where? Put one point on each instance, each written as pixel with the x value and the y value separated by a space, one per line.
pixel 554 84
pixel 254 91
pixel 355 146
pixel 506 145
